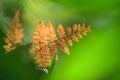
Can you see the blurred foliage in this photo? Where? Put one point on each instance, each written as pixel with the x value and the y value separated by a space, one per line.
pixel 95 57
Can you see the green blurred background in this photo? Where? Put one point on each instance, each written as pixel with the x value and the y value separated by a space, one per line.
pixel 95 57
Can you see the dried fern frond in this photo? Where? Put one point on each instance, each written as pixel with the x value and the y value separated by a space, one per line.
pixel 60 31
pixel 84 30
pixel 15 33
pixel 74 35
pixel 62 43
pixel 68 33
pixel 41 39
pixel 44 48
pixel 53 51
pixel 52 35
pixel 45 41
pixel 78 33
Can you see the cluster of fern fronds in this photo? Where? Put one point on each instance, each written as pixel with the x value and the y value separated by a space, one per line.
pixel 46 40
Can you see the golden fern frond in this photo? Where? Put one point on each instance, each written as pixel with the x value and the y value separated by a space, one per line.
pixel 62 43
pixel 60 31
pixel 44 47
pixel 78 33
pixel 68 33
pixel 74 35
pixel 52 34
pixel 45 41
pixel 15 33
pixel 52 38
pixel 53 50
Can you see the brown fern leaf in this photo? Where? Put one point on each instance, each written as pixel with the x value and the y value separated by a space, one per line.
pixel 44 43
pixel 40 36
pixel 44 48
pixel 40 39
pixel 62 43
pixel 53 50
pixel 60 31
pixel 74 35
pixel 52 38
pixel 45 57
pixel 52 34
pixel 9 47
pixel 15 33
pixel 68 37
pixel 78 33
pixel 84 30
